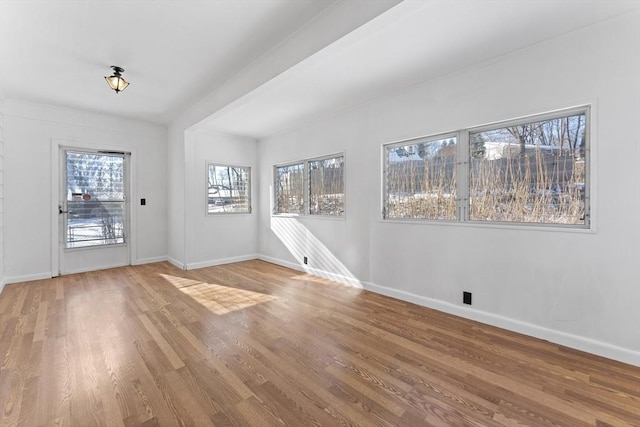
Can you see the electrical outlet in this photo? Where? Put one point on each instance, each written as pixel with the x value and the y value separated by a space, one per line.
pixel 466 297
pixel 306 260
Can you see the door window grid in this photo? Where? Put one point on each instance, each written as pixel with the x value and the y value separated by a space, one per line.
pixel 95 211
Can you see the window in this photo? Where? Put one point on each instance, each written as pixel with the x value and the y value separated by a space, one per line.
pixel 228 189
pixel 326 186
pixel 289 189
pixel 95 199
pixel 310 187
pixel 421 179
pixel 531 171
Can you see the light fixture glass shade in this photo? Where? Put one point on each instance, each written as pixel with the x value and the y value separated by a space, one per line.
pixel 115 81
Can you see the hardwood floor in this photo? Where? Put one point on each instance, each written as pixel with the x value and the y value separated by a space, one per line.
pixel 254 344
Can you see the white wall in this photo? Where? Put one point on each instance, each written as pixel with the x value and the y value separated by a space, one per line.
pixel 2 280
pixel 217 239
pixel 176 195
pixel 576 288
pixel 325 29
pixel 336 248
pixel 28 133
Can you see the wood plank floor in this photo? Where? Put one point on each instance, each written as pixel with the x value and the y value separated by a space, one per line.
pixel 254 344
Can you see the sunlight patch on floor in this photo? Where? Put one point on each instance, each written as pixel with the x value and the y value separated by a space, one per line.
pixel 217 298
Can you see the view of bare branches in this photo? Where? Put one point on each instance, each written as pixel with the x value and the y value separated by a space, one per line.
pixel 325 184
pixel 228 189
pixel 530 173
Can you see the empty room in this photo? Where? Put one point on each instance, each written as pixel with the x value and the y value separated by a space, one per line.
pixel 320 212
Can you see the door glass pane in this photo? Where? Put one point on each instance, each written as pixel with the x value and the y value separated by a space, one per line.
pixel 95 199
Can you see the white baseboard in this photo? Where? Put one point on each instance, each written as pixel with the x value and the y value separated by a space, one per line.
pixel 211 263
pixel 562 338
pixel 281 262
pixel 95 268
pixel 340 278
pixel 573 341
pixel 48 275
pixel 149 260
pixel 177 263
pixel 26 278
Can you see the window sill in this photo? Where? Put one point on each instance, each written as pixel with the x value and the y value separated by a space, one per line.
pixel 559 228
pixel 322 217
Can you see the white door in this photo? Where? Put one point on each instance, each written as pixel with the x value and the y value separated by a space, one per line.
pixel 93 210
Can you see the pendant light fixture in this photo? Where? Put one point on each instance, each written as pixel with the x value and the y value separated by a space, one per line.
pixel 115 81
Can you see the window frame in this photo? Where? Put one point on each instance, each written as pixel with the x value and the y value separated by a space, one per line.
pixel 385 175
pixel 463 164
pixel 249 210
pixel 306 211
pixel 275 188
pixel 68 245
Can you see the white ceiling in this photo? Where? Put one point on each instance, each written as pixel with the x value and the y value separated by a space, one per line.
pixel 173 52
pixel 176 52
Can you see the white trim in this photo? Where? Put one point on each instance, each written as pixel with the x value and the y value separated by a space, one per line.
pixel 149 260
pixel 176 263
pixel 208 164
pixel 569 340
pixel 340 278
pixel 88 269
pixel 188 195
pixel 214 262
pixel 54 158
pixel 463 158
pixel 77 118
pixel 306 187
pixel 26 278
pixel 532 118
pixel 562 338
pixel 281 262
pixel 558 337
pixel 345 280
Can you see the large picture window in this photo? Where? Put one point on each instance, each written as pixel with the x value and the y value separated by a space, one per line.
pixel 228 189
pixel 529 171
pixel 310 187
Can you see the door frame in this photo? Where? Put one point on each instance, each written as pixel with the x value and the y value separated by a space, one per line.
pixel 57 148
